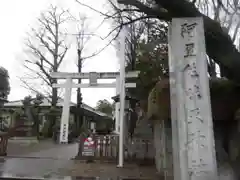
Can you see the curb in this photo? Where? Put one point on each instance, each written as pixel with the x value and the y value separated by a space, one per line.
pixel 23 177
pixel 33 157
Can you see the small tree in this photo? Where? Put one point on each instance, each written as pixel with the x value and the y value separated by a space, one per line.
pixel 4 85
pixel 105 106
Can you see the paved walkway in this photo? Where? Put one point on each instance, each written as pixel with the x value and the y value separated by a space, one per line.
pixel 42 163
pixel 107 170
pixel 19 149
pixel 56 161
pixel 44 168
pixel 58 151
pixel 33 167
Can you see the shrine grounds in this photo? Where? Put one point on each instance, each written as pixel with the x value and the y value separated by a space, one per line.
pixel 47 159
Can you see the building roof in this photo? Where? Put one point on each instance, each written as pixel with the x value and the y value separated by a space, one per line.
pixel 127 97
pixel 46 102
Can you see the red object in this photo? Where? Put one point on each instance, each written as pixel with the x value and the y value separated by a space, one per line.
pixel 89 142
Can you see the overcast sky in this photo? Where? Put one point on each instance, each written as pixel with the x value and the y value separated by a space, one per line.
pixel 18 16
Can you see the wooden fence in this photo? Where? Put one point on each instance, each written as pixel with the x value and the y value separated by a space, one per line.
pixel 135 149
pixel 106 147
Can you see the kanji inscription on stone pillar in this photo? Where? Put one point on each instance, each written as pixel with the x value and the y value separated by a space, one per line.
pixel 193 109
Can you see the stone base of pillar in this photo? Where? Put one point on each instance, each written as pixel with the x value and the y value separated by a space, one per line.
pixel 163 147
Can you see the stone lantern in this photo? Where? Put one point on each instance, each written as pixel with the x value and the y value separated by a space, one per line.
pixel 128 101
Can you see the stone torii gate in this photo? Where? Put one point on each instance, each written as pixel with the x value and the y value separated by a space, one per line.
pixel 93 77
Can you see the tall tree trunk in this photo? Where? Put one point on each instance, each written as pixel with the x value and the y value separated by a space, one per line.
pixel 54 96
pixel 54 100
pixel 79 117
pixel 79 114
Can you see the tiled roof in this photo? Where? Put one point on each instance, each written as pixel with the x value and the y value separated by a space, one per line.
pixel 46 102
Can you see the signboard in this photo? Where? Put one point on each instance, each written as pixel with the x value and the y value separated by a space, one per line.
pixel 88 147
pixel 65 112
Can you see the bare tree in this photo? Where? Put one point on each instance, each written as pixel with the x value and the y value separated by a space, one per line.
pixel 46 47
pixel 83 39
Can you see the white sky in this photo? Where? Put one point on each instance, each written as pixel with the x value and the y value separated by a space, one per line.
pixel 18 16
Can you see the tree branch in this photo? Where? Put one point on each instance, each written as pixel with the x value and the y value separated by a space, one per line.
pixel 44 71
pixel 218 43
pixel 44 43
pixel 38 53
pixel 47 81
pixel 27 86
pixel 62 57
pixel 159 13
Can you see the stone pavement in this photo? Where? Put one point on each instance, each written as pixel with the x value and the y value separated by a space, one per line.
pixel 40 163
pixel 57 161
pixel 57 151
pixel 31 167
pixel 18 149
pixel 110 170
pixel 46 168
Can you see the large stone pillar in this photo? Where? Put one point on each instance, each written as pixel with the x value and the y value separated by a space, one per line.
pixel 195 157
